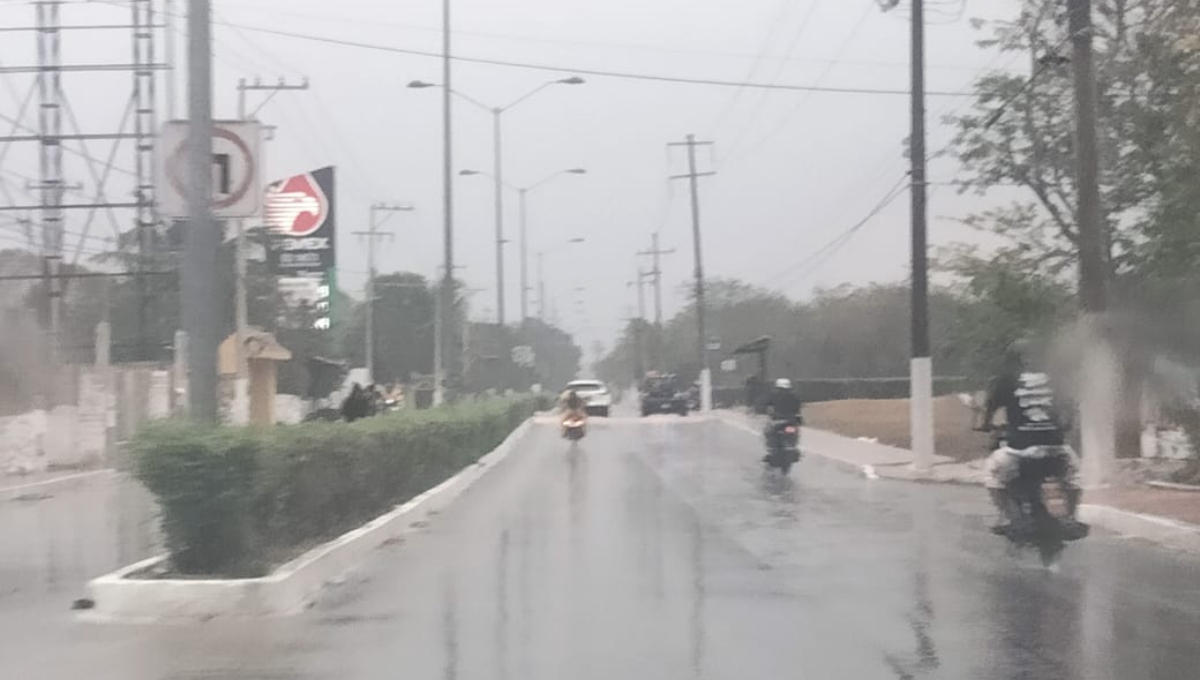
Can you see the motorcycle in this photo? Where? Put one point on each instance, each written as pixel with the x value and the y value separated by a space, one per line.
pixel 574 427
pixel 1031 523
pixel 783 445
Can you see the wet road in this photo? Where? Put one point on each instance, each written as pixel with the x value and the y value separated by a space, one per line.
pixel 53 539
pixel 659 549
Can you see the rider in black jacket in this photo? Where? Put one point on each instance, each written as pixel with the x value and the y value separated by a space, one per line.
pixel 783 405
pixel 1032 423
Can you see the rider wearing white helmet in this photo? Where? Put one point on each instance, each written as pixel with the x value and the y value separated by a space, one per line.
pixel 783 405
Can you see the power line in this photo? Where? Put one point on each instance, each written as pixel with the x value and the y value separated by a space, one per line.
pixel 821 255
pixel 881 168
pixel 862 21
pixel 583 71
pixel 760 56
pixel 776 24
pixel 762 95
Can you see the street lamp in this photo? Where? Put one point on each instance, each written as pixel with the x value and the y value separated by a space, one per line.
pixel 523 193
pixel 498 171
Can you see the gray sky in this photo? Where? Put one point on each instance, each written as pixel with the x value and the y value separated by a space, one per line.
pixel 794 169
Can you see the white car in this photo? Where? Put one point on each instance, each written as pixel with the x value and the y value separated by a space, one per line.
pixel 597 400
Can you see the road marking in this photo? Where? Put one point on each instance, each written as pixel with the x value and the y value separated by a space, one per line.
pixel 22 489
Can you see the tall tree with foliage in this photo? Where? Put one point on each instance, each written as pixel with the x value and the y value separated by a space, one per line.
pixel 1020 132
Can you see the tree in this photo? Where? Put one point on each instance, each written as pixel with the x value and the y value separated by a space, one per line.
pixel 404 316
pixel 999 304
pixel 845 332
pixel 1020 132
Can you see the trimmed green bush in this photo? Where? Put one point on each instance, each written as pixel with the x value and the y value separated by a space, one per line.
pixel 236 501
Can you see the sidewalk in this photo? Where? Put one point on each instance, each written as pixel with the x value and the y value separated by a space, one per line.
pixel 1168 517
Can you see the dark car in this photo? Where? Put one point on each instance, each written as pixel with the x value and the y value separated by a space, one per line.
pixel 664 394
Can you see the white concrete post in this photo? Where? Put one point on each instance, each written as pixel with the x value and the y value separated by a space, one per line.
pixel 1097 413
pixel 180 375
pixel 921 412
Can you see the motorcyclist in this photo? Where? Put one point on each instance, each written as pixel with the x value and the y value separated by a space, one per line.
pixel 572 407
pixel 1032 421
pixel 783 406
pixel 571 404
pixel 357 405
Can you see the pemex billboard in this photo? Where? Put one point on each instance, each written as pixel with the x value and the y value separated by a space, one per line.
pixel 300 213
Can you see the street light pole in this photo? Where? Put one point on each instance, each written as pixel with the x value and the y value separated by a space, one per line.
pixel 524 257
pixel 447 292
pixel 523 194
pixel 498 176
pixel 498 162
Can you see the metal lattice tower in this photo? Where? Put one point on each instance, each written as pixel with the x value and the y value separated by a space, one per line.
pixel 50 100
pixel 145 127
pixel 59 136
pixel 145 122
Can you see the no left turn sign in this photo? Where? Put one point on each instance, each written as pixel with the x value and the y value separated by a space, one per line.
pixel 236 170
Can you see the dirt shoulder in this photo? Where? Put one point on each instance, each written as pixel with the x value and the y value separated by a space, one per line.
pixel 888 421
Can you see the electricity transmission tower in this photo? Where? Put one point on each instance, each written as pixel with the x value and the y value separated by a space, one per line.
pixel 54 137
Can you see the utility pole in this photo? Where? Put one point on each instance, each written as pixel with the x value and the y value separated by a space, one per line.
pixel 498 178
pixel 693 178
pixel 370 236
pixel 1099 405
pixel 1093 278
pixel 242 384
pixel 201 304
pixel 921 375
pixel 639 364
pixel 541 273
pixel 656 273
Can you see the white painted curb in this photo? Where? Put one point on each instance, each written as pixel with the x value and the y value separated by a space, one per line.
pixel 292 587
pixel 1161 530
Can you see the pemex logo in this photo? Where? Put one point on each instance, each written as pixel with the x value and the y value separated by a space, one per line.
pixel 296 206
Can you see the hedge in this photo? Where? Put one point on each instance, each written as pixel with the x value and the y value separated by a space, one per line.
pixel 237 501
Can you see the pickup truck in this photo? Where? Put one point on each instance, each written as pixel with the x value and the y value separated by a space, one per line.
pixel 664 394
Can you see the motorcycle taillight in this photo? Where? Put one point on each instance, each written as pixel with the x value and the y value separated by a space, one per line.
pixel 790 429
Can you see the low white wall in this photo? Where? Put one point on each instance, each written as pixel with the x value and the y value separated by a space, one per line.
pixel 290 409
pixel 22 443
pixel 1165 443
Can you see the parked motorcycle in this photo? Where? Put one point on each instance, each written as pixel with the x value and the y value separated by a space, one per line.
pixel 1031 523
pixel 574 427
pixel 783 445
